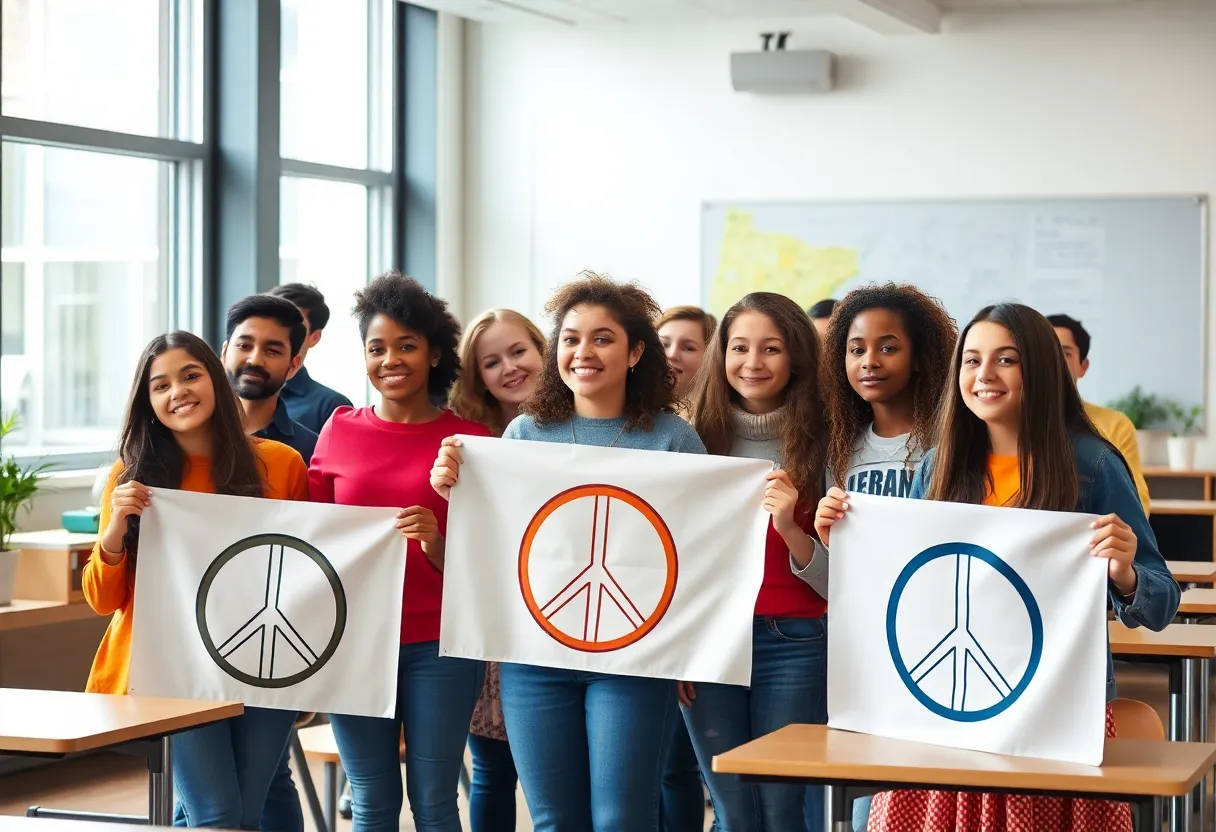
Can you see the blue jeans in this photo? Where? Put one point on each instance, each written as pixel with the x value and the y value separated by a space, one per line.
pixel 435 699
pixel 682 808
pixel 282 812
pixel 789 685
pixel 222 771
pixel 588 746
pixel 861 813
pixel 492 786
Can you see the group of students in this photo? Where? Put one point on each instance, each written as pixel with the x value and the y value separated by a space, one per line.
pixel 891 399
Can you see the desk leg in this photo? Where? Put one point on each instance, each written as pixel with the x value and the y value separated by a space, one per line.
pixel 331 797
pixel 160 783
pixel 836 805
pixel 1174 733
pixel 1205 674
pixel 1189 709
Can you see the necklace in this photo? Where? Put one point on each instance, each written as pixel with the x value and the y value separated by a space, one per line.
pixel 619 434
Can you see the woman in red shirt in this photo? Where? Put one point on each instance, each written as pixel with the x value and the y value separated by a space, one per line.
pixel 382 456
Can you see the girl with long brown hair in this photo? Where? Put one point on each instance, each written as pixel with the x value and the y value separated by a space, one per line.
pixel 588 745
pixel 1013 432
pixel 758 397
pixel 183 430
pixel 501 353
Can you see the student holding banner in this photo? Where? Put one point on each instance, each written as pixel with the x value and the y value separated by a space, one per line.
pixel 381 456
pixel 589 745
pixel 1011 421
pixel 759 398
pixel 501 353
pixel 183 430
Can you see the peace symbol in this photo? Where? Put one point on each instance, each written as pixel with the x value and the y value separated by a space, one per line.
pixel 267 649
pixel 959 645
pixel 600 608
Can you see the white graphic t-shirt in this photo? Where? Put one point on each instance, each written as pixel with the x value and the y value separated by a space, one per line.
pixel 882 466
pixel 879 466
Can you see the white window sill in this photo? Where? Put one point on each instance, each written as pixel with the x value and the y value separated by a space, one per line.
pixel 71 479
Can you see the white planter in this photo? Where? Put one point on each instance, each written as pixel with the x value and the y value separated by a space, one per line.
pixel 1144 439
pixel 1181 450
pixel 8 576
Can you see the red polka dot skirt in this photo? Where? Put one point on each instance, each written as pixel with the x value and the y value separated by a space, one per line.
pixel 930 811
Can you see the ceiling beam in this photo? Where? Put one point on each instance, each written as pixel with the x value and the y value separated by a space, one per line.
pixel 892 17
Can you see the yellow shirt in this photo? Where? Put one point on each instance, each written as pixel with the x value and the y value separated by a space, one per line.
pixel 1120 432
pixel 110 589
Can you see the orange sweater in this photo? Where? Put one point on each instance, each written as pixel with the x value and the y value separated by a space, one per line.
pixel 111 589
pixel 1006 480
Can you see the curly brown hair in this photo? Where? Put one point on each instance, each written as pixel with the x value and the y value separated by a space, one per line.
pixel 933 335
pixel 649 387
pixel 803 434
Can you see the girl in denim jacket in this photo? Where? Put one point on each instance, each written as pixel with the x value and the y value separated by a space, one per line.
pixel 1013 432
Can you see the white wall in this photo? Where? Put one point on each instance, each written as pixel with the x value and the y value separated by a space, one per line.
pixel 593 147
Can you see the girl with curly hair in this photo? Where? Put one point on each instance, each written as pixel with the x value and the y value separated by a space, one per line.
pixel 381 456
pixel 500 359
pixel 589 746
pixel 886 355
pixel 758 397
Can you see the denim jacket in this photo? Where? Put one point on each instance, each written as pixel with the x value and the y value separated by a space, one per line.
pixel 1106 488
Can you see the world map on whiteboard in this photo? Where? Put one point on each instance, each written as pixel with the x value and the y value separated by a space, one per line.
pixel 1114 263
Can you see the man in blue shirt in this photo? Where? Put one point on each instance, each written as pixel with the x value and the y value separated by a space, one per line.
pixel 265 339
pixel 309 402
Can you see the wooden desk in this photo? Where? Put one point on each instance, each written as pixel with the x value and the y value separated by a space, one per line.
pixel 1132 770
pixel 1204 508
pixel 50 564
pixel 1198 601
pixel 55 723
pixel 1202 480
pixel 1192 571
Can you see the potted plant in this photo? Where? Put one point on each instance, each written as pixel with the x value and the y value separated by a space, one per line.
pixel 1181 444
pixel 17 488
pixel 1145 411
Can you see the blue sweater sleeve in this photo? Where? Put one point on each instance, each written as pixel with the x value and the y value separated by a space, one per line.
pixel 1155 602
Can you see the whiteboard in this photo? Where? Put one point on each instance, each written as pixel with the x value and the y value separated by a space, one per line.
pixel 1131 269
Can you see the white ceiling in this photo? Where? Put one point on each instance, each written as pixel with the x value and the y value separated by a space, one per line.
pixel 575 12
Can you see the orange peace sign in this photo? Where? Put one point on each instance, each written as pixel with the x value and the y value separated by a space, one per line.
pixel 596 611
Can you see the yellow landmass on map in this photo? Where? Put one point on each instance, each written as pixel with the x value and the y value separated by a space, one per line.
pixel 761 261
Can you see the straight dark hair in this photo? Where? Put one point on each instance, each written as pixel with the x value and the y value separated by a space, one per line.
pixel 1052 417
pixel 149 451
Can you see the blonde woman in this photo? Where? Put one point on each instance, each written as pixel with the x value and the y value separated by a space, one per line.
pixel 500 357
pixel 684 331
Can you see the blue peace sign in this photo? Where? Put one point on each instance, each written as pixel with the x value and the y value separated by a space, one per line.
pixel 959 644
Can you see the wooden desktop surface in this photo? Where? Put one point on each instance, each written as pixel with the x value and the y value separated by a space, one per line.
pixel 1192 571
pixel 64 722
pixel 20 823
pixel 1205 508
pixel 1198 601
pixel 1189 641
pixel 1130 767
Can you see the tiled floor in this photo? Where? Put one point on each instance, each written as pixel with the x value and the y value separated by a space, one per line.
pixel 111 783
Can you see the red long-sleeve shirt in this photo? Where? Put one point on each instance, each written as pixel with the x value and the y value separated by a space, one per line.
pixel 362 460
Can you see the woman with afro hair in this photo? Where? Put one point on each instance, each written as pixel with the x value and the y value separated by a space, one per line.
pixel 381 456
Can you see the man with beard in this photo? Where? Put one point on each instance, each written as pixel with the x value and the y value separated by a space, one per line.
pixel 262 351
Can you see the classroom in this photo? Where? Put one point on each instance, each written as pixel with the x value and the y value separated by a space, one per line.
pixel 819 253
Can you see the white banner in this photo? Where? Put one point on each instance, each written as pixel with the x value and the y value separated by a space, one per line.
pixel 274 603
pixel 968 626
pixel 640 563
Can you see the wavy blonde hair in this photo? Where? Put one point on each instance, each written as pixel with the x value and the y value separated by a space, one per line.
pixel 689 313
pixel 469 398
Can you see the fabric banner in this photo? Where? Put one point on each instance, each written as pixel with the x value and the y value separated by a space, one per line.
pixel 968 626
pixel 273 603
pixel 641 563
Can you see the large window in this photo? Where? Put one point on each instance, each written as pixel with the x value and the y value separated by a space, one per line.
pixel 127 211
pixel 335 193
pixel 97 201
